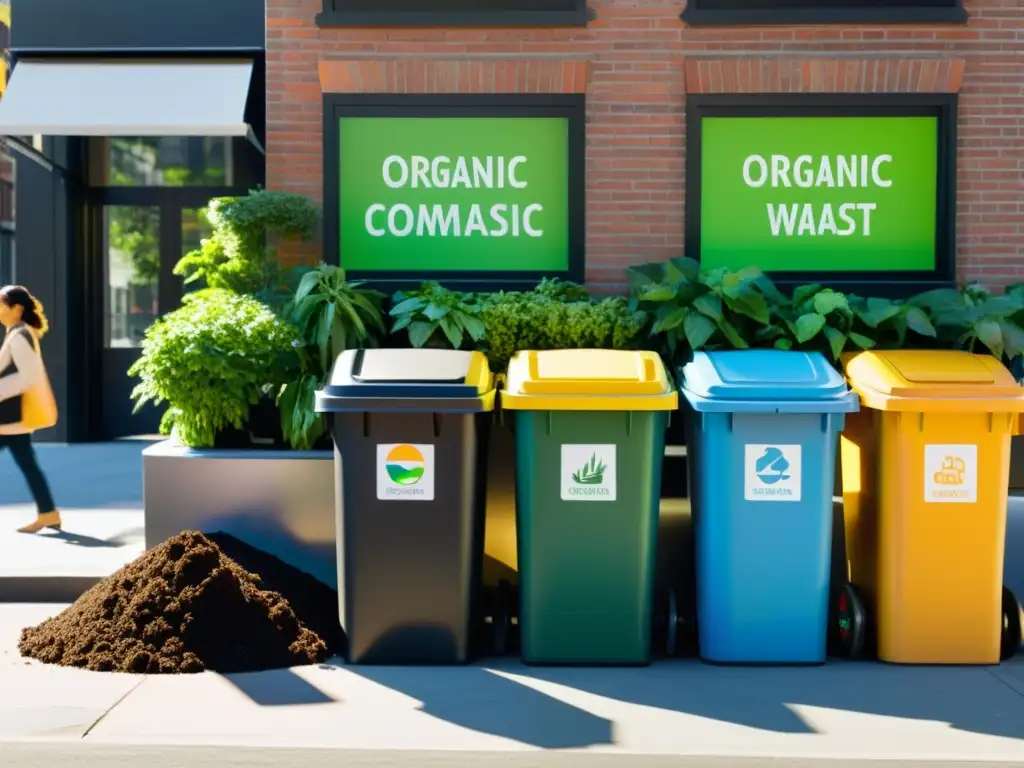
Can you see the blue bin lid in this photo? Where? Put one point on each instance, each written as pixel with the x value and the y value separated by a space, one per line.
pixel 758 380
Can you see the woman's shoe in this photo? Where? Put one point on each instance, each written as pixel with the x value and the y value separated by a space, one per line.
pixel 45 520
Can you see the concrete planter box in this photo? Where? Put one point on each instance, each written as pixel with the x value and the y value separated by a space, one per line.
pixel 279 501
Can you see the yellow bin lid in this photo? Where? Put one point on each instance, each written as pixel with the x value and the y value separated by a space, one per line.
pixel 588 380
pixel 932 380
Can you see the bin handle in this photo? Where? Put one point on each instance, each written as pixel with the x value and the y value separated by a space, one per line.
pixel 533 364
pixel 648 369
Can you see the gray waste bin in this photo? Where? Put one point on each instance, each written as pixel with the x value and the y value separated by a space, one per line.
pixel 410 430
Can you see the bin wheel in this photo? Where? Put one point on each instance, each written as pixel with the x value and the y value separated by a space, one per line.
pixel 1012 620
pixel 502 620
pixel 672 633
pixel 850 622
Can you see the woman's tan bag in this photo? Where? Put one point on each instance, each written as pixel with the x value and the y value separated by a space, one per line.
pixel 38 405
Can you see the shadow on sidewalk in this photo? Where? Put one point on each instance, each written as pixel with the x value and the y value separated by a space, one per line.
pixel 278 688
pixel 476 698
pixel 123 539
pixel 969 699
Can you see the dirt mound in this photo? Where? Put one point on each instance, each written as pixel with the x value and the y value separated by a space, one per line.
pixel 194 602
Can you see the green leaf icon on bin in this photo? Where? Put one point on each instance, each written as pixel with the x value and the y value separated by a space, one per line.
pixel 591 473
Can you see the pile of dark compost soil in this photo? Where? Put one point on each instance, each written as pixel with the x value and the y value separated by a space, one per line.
pixel 193 603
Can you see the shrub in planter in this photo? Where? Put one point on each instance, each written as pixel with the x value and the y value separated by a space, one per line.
pixel 533 320
pixel 211 361
pixel 332 315
pixel 236 256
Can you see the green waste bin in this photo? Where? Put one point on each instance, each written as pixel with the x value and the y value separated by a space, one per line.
pixel 590 441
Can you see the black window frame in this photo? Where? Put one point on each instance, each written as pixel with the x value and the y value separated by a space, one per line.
pixel 571 107
pixel 334 14
pixel 779 12
pixel 889 283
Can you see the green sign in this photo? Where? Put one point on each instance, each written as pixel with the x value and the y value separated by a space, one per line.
pixel 439 194
pixel 819 193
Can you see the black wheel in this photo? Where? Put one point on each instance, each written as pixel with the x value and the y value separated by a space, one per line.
pixel 672 628
pixel 1012 620
pixel 502 620
pixel 849 623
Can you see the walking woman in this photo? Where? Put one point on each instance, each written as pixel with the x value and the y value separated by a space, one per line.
pixel 26 400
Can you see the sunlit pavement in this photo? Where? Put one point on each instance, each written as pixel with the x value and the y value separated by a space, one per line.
pixel 495 713
pixel 682 708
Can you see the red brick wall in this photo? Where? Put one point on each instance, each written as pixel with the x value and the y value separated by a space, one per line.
pixel 640 62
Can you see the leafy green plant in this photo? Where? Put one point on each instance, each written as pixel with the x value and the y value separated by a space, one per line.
pixel 237 256
pixel 716 309
pixel 971 318
pixel 332 315
pixel 210 361
pixel 562 290
pixel 720 309
pixel 434 316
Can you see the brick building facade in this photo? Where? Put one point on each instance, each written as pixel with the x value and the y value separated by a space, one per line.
pixel 636 62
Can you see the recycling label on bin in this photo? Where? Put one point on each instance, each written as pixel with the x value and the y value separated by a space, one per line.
pixel 772 472
pixel 588 473
pixel 951 474
pixel 405 472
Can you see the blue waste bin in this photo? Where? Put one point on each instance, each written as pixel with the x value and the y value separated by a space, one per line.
pixel 762 432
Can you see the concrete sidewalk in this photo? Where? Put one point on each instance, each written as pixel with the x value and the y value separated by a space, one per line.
pixel 684 709
pixel 98 488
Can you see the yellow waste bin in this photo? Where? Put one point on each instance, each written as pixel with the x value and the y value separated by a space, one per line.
pixel 925 471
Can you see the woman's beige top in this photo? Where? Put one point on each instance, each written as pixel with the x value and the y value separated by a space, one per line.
pixel 19 350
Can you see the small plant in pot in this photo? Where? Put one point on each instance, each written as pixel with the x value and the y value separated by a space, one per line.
pixel 332 315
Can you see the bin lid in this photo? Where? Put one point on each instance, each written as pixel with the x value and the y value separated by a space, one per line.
pixel 933 379
pixel 588 380
pixel 757 380
pixel 406 379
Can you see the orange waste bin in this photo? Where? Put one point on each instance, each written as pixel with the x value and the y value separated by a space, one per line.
pixel 925 467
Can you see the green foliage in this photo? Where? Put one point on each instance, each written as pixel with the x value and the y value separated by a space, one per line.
pixel 237 257
pixel 434 316
pixel 721 309
pixel 332 315
pixel 210 360
pixel 562 290
pixel 516 321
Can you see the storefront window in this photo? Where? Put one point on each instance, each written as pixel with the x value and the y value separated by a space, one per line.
pixel 132 266
pixel 168 161
pixel 823 11
pixel 453 12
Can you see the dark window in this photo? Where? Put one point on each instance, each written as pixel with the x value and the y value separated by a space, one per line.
pixel 725 12
pixel 172 161
pixel 436 13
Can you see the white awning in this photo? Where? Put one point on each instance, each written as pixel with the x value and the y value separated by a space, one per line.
pixel 166 97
